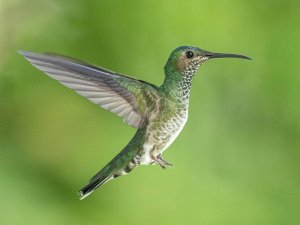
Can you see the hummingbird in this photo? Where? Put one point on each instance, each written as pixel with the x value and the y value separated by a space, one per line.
pixel 159 113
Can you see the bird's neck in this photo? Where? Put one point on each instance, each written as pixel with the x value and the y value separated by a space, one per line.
pixel 178 85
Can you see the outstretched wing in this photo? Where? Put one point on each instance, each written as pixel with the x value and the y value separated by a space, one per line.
pixel 125 96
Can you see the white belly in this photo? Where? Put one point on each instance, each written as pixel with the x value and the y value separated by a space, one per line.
pixel 159 140
pixel 174 135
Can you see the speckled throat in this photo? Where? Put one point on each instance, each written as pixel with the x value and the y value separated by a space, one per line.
pixel 187 76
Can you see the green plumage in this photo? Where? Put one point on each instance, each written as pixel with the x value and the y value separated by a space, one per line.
pixel 158 113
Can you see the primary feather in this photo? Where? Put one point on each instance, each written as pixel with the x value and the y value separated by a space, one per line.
pixel 117 93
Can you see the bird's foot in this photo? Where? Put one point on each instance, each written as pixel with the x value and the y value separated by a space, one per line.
pixel 162 162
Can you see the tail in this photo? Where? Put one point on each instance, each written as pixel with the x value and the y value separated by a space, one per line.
pixel 122 164
pixel 92 185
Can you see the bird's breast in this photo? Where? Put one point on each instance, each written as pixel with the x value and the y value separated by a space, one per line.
pixel 161 132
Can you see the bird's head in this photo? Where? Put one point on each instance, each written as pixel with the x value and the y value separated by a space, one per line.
pixel 185 60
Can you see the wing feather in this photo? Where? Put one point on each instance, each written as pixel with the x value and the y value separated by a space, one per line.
pixel 117 93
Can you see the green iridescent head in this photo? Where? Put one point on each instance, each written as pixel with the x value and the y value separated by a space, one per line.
pixel 187 59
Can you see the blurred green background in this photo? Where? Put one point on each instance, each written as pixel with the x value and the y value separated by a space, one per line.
pixel 237 160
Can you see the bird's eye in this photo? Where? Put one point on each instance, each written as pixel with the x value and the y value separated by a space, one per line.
pixel 189 54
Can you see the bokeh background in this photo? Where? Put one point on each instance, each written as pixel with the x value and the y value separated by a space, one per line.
pixel 237 160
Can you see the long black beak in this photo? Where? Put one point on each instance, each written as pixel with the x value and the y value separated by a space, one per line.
pixel 213 55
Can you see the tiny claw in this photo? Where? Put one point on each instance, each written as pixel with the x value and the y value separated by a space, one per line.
pixel 161 160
